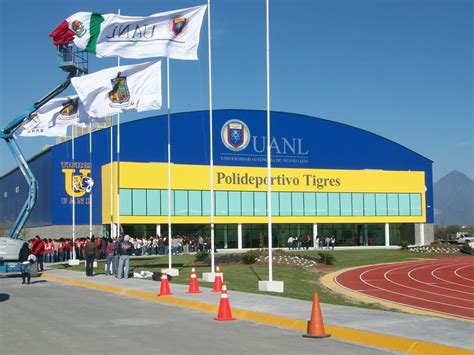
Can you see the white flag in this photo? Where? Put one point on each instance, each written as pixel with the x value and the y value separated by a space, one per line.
pixel 174 34
pixel 114 90
pixel 53 118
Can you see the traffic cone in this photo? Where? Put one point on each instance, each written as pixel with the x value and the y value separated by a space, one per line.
pixel 316 324
pixel 217 281
pixel 193 283
pixel 224 312
pixel 165 286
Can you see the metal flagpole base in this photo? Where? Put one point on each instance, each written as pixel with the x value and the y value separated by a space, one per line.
pixel 172 272
pixel 73 262
pixel 271 286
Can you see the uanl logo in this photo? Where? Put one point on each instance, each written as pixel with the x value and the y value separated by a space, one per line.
pixel 235 135
pixel 178 25
pixel 77 180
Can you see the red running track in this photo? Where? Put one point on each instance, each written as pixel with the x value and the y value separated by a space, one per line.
pixel 443 285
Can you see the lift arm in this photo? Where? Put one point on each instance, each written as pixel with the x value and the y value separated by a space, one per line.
pixel 8 134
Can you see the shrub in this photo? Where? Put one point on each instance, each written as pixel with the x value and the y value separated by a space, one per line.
pixel 250 257
pixel 404 244
pixel 228 258
pixel 466 249
pixel 202 255
pixel 326 258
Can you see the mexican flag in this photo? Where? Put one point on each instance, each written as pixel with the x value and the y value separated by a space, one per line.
pixel 173 34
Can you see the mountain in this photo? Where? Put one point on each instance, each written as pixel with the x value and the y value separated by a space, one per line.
pixel 454 200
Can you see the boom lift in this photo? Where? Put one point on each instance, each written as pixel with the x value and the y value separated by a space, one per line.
pixel 74 62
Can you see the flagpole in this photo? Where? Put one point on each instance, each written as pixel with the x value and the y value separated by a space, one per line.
pixel 211 158
pixel 269 153
pixel 270 285
pixel 111 177
pixel 73 200
pixel 169 161
pixel 90 193
pixel 118 160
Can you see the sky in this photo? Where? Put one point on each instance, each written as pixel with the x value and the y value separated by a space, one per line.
pixel 402 69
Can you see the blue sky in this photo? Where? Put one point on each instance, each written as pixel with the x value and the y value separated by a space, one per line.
pixel 399 68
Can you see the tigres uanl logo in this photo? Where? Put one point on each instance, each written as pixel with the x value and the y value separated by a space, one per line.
pixel 77 185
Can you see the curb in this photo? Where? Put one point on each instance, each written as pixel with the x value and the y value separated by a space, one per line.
pixel 382 341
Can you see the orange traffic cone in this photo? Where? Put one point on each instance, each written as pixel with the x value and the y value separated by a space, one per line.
pixel 165 286
pixel 217 281
pixel 193 283
pixel 316 325
pixel 224 312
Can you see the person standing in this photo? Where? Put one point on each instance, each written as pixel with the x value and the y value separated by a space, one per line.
pixel 125 249
pixel 110 255
pixel 38 251
pixel 90 252
pixel 25 262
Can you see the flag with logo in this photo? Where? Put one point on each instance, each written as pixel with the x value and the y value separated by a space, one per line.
pixel 53 118
pixel 174 34
pixel 114 90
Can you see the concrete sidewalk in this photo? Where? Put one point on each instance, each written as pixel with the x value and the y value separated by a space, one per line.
pixel 388 330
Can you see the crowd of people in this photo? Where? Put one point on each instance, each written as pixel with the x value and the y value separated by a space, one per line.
pixel 117 252
pixel 298 242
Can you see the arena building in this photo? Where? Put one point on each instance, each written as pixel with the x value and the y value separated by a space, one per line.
pixel 328 179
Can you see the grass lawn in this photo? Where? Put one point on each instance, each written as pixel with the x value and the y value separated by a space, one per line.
pixel 300 283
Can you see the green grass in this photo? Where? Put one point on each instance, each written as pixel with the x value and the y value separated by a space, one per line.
pixel 299 283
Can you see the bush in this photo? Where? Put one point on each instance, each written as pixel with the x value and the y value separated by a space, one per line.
pixel 250 257
pixel 404 244
pixel 466 249
pixel 326 258
pixel 228 258
pixel 202 255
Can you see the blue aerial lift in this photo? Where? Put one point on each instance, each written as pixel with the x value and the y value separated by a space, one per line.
pixel 74 62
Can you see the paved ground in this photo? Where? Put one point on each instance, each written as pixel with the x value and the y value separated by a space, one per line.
pixel 388 330
pixel 55 318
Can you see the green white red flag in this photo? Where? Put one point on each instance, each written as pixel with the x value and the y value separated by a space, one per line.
pixel 173 34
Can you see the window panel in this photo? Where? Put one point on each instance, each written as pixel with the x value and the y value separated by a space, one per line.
pixel 125 202
pixel 194 203
pixel 346 204
pixel 260 203
pixel 392 202
pixel 381 204
pixel 334 204
pixel 247 203
pixel 153 203
pixel 369 204
pixel 206 203
pixel 164 202
pixel 235 207
pixel 275 203
pixel 322 203
pixel 415 204
pixel 285 203
pixel 222 207
pixel 297 207
pixel 357 204
pixel 139 202
pixel 180 203
pixel 309 204
pixel 404 204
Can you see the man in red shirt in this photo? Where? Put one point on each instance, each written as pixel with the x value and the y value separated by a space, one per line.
pixel 38 250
